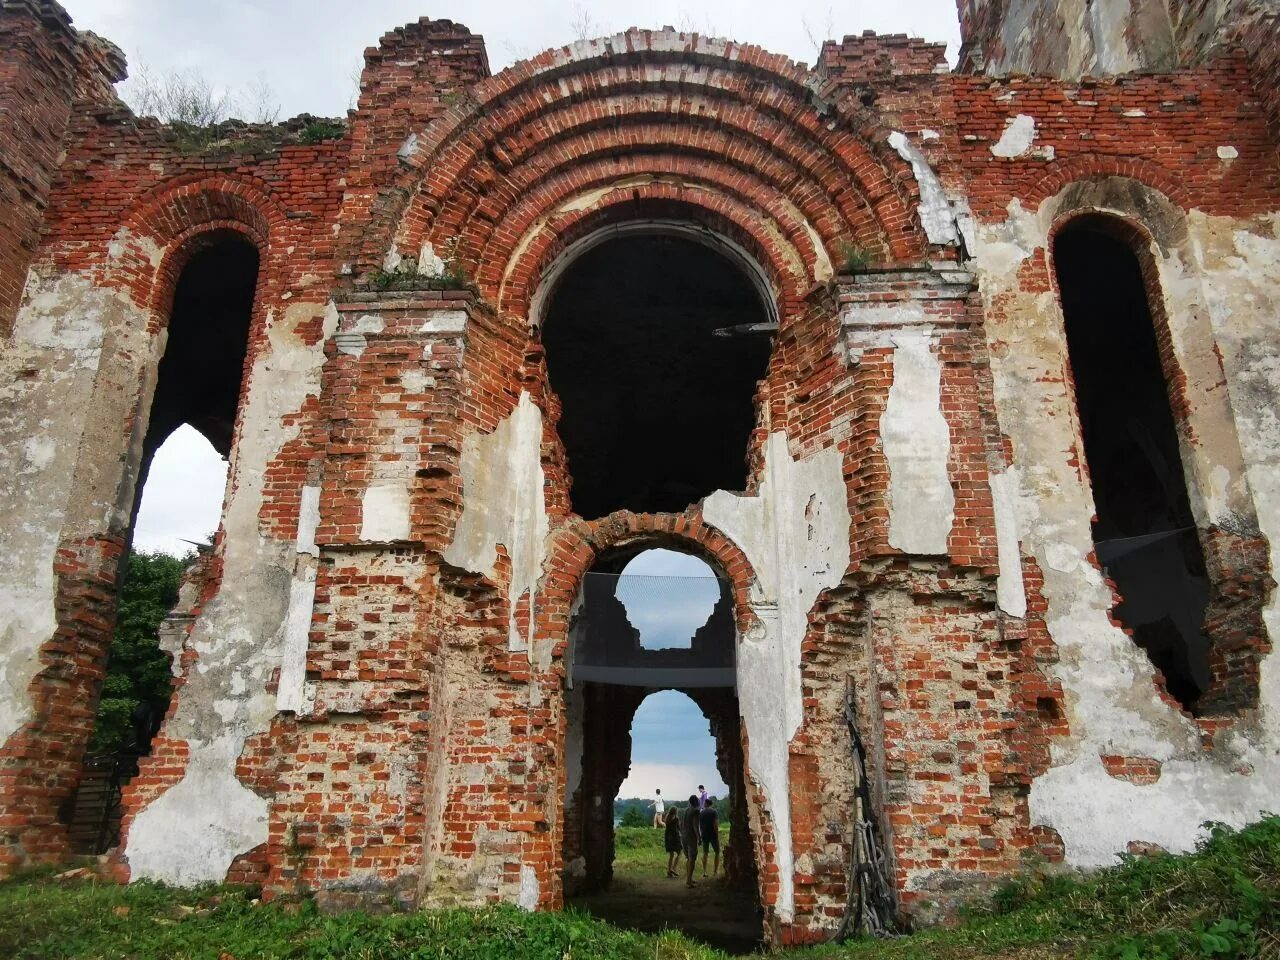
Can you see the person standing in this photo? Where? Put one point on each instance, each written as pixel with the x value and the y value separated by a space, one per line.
pixel 702 797
pixel 672 842
pixel 659 809
pixel 689 834
pixel 709 824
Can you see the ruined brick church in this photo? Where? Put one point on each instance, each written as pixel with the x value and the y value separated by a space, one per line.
pixel 964 381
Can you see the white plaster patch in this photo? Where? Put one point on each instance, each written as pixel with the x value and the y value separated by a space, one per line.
pixel 430 265
pixel 192 833
pixel 503 503
pixel 445 322
pixel 530 890
pixel 1228 153
pixel 916 441
pixel 291 689
pixel 795 532
pixel 1011 593
pixel 935 211
pixel 384 512
pixel 49 373
pixel 1015 141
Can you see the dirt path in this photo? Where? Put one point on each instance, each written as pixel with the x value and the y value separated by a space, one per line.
pixel 643 898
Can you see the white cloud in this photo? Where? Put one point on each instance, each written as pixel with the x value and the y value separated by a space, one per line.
pixel 671 749
pixel 310 50
pixel 676 781
pixel 182 499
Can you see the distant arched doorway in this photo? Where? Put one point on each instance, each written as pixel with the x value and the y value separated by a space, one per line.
pixel 688 616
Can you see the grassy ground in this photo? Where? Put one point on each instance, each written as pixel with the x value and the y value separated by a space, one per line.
pixel 642 897
pixel 1221 903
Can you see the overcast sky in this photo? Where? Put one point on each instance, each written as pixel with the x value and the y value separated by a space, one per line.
pixel 309 51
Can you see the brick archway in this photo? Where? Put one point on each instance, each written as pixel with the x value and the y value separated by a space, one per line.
pixel 145 259
pixel 576 550
pixel 548 139
pixel 1148 222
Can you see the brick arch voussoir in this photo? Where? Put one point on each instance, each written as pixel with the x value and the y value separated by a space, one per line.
pixel 450 146
pixel 794 164
pixel 731 219
pixel 177 212
pixel 577 546
pixel 758 215
pixel 589 60
pixel 1061 175
pixel 598 161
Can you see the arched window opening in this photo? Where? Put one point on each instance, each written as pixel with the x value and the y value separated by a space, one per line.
pixel 1144 531
pixel 668 598
pixel 653 618
pixel 654 348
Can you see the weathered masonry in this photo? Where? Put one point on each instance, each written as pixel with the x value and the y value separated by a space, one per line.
pixel 965 382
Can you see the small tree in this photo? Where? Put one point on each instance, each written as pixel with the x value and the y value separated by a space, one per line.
pixel 633 816
pixel 138 671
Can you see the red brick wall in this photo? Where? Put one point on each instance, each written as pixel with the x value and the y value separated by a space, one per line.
pixel 433 747
pixel 46 69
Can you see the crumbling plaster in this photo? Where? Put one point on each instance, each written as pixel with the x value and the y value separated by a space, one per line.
pixel 504 504
pixel 1111 700
pixel 1240 265
pixel 54 391
pixel 194 831
pixel 795 532
pixel 916 441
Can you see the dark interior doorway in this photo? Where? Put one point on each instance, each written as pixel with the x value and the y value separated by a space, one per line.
pixel 1144 533
pixel 657 407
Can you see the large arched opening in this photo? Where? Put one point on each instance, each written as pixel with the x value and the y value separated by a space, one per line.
pixel 652 705
pixel 656 340
pixel 1144 530
pixel 175 512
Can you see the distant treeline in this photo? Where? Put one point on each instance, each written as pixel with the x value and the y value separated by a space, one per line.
pixel 637 811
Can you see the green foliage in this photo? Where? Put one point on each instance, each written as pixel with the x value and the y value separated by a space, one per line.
pixel 317 131
pixel 137 670
pixel 634 817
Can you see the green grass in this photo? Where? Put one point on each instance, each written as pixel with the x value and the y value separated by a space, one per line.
pixel 1221 903
pixel 639 848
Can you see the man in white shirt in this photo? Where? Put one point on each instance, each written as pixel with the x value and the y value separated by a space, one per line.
pixel 659 808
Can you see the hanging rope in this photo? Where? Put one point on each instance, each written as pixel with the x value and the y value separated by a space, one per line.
pixel 870 908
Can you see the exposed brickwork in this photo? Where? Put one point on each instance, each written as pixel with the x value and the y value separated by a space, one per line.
pixel 416 752
pixel 47 69
pixel 1139 770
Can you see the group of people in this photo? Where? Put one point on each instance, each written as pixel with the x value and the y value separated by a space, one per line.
pixel 696 826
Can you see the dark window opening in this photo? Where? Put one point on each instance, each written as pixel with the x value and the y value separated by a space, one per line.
pixel 657 409
pixel 1144 532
